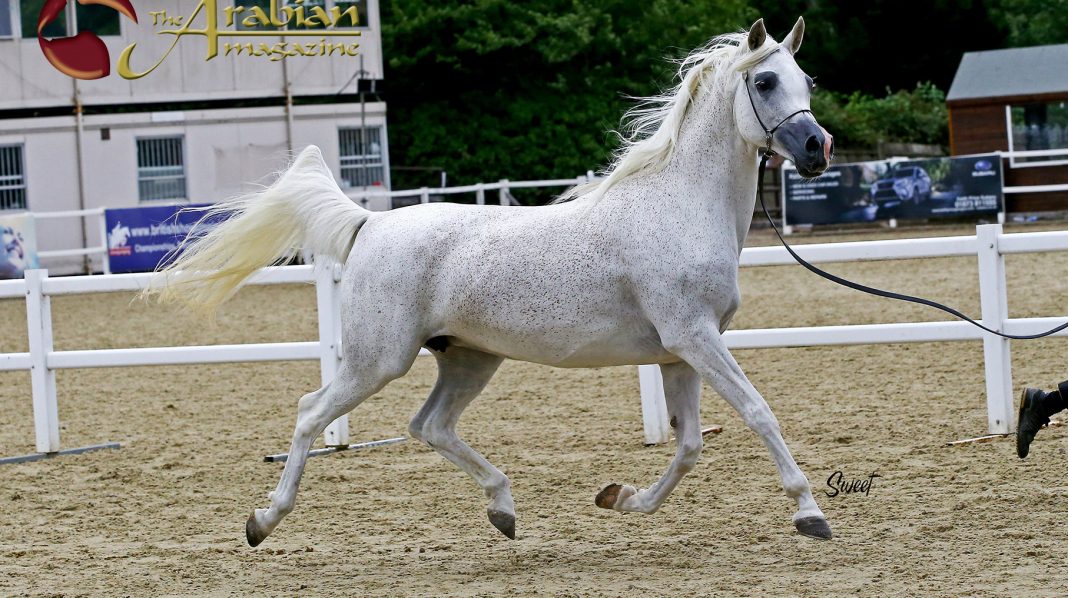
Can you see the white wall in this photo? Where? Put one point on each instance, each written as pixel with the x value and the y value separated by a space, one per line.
pixel 227 151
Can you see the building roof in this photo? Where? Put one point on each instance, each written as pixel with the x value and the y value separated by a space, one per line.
pixel 1012 72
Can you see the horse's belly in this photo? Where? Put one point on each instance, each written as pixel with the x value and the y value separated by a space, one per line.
pixel 598 343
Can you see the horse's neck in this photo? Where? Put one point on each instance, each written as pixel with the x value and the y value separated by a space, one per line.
pixel 716 167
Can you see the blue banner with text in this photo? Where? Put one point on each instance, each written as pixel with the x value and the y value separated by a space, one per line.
pixel 140 238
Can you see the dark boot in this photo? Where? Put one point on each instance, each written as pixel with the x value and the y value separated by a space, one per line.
pixel 1035 408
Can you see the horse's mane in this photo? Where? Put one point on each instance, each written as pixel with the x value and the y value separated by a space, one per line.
pixel 650 130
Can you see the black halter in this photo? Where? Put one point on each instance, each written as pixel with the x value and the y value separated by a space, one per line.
pixel 766 152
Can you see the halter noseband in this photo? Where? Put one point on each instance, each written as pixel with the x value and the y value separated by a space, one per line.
pixel 766 150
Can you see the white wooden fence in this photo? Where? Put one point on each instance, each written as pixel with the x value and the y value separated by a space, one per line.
pixel 42 360
pixel 989 244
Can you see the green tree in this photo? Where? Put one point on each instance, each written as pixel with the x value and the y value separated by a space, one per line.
pixel 495 89
pixel 1032 22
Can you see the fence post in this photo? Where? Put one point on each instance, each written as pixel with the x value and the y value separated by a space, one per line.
pixel 105 261
pixel 996 355
pixel 328 301
pixel 480 195
pixel 424 195
pixel 42 379
pixel 654 406
pixel 503 196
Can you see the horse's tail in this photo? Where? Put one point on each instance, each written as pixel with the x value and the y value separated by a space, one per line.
pixel 304 210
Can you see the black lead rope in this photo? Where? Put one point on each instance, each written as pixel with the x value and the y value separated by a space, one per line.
pixel 766 153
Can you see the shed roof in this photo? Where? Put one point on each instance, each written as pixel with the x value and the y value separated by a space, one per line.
pixel 1012 72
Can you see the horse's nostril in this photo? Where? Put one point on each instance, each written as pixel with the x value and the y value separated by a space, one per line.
pixel 813 145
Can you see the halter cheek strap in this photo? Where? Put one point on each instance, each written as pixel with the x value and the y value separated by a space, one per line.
pixel 768 133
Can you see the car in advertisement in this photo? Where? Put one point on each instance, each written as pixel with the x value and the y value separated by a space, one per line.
pixel 905 183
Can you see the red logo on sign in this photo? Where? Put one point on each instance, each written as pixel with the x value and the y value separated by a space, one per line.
pixel 83 56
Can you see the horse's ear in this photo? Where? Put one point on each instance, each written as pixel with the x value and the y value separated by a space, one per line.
pixel 793 40
pixel 757 35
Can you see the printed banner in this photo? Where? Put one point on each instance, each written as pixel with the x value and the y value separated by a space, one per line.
pixel 140 238
pixel 18 252
pixel 868 191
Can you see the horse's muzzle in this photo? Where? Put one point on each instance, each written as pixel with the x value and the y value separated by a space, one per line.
pixel 809 146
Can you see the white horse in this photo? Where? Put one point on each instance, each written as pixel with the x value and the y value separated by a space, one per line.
pixel 639 268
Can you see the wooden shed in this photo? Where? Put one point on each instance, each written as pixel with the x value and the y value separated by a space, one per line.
pixel 1013 101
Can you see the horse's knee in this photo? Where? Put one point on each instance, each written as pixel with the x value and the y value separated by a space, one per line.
pixel 761 420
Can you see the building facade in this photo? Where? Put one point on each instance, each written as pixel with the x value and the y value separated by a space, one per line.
pixel 195 129
pixel 1016 100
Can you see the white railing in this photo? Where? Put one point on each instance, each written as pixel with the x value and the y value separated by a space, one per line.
pixel 101 250
pixel 42 360
pixel 989 244
pixel 502 188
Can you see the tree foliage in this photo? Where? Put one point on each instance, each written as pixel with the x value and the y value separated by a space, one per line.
pixel 499 89
pixel 860 121
pixel 493 89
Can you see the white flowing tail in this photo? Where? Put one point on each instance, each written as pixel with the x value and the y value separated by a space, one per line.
pixel 304 210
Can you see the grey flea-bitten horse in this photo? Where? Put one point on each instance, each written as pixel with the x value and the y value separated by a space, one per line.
pixel 639 268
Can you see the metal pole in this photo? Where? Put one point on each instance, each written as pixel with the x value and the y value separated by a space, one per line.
pixel 79 151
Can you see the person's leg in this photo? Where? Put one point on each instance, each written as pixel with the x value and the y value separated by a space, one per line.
pixel 1035 408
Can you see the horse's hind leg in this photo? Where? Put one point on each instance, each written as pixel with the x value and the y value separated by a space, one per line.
pixel 314 412
pixel 462 374
pixel 682 390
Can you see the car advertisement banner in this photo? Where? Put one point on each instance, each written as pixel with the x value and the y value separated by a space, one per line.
pixel 140 238
pixel 903 189
pixel 18 245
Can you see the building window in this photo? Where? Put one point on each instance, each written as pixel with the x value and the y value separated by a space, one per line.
pixel 7 18
pixel 12 178
pixel 248 19
pixel 30 10
pixel 98 19
pixel 95 18
pixel 361 12
pixel 341 7
pixel 161 168
pixel 1037 127
pixel 362 162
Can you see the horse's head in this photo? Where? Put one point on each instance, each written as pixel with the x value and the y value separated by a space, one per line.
pixel 771 103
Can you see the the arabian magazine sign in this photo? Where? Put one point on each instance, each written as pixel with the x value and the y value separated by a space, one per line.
pixel 235 30
pixel 140 238
pixel 902 189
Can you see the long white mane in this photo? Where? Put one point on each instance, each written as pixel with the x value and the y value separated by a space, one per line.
pixel 650 130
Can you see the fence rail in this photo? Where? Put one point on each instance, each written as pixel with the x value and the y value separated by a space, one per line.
pixel 989 245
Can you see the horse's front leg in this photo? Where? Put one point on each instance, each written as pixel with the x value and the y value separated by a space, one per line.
pixel 703 347
pixel 682 390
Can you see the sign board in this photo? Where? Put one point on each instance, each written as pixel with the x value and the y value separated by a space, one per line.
pixel 18 245
pixel 902 189
pixel 140 238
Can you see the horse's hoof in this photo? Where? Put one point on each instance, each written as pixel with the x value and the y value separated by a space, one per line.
pixel 505 522
pixel 606 498
pixel 253 533
pixel 813 527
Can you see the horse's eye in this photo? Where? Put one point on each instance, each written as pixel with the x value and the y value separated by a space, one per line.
pixel 765 82
pixel 811 82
